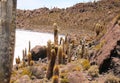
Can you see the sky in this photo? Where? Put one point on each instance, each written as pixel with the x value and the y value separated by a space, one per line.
pixel 35 4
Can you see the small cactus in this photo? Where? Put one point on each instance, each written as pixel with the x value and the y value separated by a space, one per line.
pixel 85 64
pixel 62 42
pixel 56 48
pixel 64 57
pixel 49 47
pixel 98 29
pixel 60 54
pixel 23 55
pixel 24 64
pixel 18 60
pixel 82 50
pixel 56 70
pixel 24 58
pixel 31 63
pixel 69 53
pixel 25 52
pixel 55 34
pixel 29 46
pixel 93 71
pixel 55 79
pixel 66 44
pixel 29 58
pixel 86 53
pixel 51 64
pixel 66 38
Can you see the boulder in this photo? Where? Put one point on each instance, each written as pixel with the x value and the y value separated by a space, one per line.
pixel 39 52
pixel 38 72
pixel 77 77
pixel 24 79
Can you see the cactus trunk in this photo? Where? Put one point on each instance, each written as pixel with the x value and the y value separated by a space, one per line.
pixel 55 34
pixel 51 64
pixel 7 38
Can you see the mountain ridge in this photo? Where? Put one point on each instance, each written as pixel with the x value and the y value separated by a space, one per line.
pixel 82 16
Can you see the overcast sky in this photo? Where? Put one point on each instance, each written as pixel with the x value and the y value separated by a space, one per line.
pixel 34 4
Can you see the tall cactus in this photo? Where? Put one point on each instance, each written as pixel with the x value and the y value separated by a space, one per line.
pixel 29 48
pixel 60 54
pixel 7 38
pixel 55 34
pixel 51 64
pixel 49 47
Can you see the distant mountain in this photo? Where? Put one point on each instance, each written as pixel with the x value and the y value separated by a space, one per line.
pixel 82 16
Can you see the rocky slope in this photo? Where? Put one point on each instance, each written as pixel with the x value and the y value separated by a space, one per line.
pixel 80 16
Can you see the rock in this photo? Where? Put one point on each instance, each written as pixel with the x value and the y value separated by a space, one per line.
pixel 38 81
pixel 77 77
pixel 116 66
pixel 24 79
pixel 73 58
pixel 38 52
pixel 109 50
pixel 38 72
pixel 33 77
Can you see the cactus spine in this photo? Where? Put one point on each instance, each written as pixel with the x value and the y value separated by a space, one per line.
pixel 51 64
pixel 55 34
pixel 7 38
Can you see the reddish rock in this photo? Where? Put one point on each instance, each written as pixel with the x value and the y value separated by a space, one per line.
pixel 39 52
pixel 110 49
pixel 24 79
pixel 77 77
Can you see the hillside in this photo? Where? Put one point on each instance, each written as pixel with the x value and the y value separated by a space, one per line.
pixel 82 57
pixel 72 19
